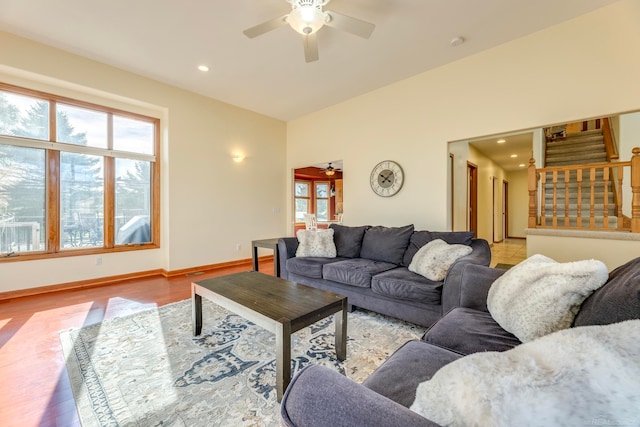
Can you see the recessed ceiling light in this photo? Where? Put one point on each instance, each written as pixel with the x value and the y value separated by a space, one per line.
pixel 203 68
pixel 521 165
pixel 513 156
pixel 501 141
pixel 456 41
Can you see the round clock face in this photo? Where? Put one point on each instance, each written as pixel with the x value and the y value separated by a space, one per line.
pixel 386 178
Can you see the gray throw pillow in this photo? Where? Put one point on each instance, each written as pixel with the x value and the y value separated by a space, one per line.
pixel 617 300
pixel 348 240
pixel 386 244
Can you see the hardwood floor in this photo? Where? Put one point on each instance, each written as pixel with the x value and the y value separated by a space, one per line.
pixel 35 385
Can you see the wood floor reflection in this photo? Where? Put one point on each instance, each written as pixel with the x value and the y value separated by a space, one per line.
pixel 35 384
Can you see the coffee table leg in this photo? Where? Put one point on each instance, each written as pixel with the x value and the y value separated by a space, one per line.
pixel 340 319
pixel 196 311
pixel 283 358
pixel 254 257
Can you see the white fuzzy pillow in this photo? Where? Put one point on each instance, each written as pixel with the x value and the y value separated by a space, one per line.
pixel 316 243
pixel 576 377
pixel 434 259
pixel 539 295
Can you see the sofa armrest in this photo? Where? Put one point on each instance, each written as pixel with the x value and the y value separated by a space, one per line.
pixel 473 285
pixel 481 255
pixel 319 396
pixel 286 249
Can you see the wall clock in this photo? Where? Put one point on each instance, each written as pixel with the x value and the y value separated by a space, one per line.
pixel 386 178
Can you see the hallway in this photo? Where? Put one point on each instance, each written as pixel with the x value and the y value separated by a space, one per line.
pixel 509 251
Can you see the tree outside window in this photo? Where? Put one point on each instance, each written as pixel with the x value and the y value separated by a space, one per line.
pixel 322 201
pixel 302 199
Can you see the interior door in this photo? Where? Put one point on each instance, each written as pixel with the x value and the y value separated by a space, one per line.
pixel 472 204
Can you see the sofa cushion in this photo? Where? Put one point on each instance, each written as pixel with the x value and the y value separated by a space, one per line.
pixel 467 331
pixel 316 243
pixel 355 272
pixel 434 259
pixel 309 266
pixel 573 377
pixel 400 283
pixel 539 295
pixel 386 244
pixel 616 300
pixel 420 238
pixel 348 240
pixel 398 377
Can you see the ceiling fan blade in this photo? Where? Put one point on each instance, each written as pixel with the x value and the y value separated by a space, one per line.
pixel 310 48
pixel 350 25
pixel 265 27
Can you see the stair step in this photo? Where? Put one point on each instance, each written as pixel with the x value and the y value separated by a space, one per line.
pixel 573 185
pixel 573 140
pixel 578 148
pixel 573 209
pixel 571 160
pixel 573 221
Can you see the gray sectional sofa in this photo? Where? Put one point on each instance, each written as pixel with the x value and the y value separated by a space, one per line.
pixel 319 396
pixel 371 270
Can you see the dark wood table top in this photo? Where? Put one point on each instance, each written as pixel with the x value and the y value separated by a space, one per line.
pixel 275 298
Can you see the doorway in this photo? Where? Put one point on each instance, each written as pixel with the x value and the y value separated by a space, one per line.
pixel 505 209
pixel 472 199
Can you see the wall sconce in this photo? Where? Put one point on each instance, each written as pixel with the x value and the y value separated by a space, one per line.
pixel 333 191
pixel 238 158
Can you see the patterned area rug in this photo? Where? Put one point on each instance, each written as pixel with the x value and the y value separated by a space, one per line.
pixel 147 369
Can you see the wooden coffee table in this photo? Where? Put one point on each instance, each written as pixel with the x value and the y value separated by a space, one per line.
pixel 275 304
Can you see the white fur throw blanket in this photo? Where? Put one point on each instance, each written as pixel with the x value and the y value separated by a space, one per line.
pixel 539 295
pixel 581 376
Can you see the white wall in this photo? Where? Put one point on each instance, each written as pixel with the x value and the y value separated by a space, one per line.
pixel 508 88
pixel 209 203
pixel 460 151
pixel 518 203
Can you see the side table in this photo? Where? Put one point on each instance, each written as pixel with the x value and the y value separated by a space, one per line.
pixel 268 244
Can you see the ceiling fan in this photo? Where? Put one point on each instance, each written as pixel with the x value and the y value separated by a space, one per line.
pixel 330 170
pixel 307 18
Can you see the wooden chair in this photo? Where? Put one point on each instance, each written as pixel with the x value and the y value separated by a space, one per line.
pixel 310 221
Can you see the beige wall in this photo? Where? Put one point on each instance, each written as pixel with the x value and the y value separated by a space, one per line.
pixel 614 249
pixel 527 83
pixel 209 203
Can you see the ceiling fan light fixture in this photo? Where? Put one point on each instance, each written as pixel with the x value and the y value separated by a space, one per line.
pixel 329 171
pixel 306 20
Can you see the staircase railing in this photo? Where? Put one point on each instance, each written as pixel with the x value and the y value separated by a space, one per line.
pixel 609 143
pixel 564 178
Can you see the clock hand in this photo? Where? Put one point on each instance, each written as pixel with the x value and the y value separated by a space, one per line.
pixel 385 178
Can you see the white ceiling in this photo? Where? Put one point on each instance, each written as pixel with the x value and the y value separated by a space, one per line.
pixel 167 39
pixel 519 144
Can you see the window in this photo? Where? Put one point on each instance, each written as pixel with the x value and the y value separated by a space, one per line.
pixel 302 199
pixel 322 201
pixel 75 177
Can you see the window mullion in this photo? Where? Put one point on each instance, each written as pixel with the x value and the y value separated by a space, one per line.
pixel 52 121
pixel 109 189
pixel 54 230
